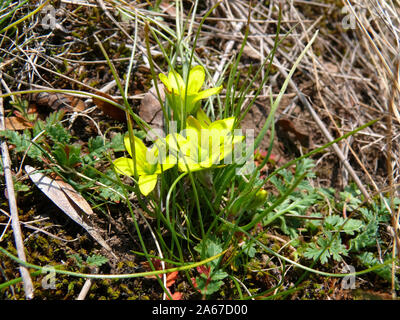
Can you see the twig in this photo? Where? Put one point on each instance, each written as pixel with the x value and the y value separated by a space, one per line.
pixel 378 53
pixel 5 156
pixel 85 289
pixel 29 226
pixel 110 16
pixel 86 286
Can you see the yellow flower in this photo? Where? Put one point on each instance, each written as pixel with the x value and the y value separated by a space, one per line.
pixel 149 163
pixel 203 144
pixel 180 96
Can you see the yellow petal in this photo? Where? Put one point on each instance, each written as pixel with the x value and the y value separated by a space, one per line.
pixel 140 148
pixel 222 128
pixel 175 141
pixel 194 136
pixel 126 167
pixel 176 82
pixel 227 148
pixel 196 79
pixel 165 164
pixel 192 122
pixel 187 164
pixel 207 93
pixel 211 160
pixel 147 183
pixel 164 79
pixel 203 118
pixel 225 125
pixel 153 155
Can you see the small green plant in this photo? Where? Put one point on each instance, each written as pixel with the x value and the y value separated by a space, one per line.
pixel 50 142
pixel 94 260
pixel 327 246
pixel 210 276
pixel 369 260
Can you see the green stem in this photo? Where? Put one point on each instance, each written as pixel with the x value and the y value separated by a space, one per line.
pixel 113 276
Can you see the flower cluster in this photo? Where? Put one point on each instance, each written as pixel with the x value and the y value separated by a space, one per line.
pixel 201 145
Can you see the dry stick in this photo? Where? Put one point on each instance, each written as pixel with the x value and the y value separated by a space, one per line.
pixel 85 289
pixel 26 278
pixel 110 16
pixel 86 286
pixel 392 112
pixel 378 53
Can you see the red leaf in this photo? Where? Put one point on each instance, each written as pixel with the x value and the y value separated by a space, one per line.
pixel 203 269
pixel 171 278
pixel 195 284
pixel 177 296
pixel 157 265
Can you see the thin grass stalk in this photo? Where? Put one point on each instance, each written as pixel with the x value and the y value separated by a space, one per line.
pixel 235 67
pixel 12 25
pixel 141 241
pixel 128 75
pixel 195 41
pixel 274 106
pixel 9 13
pixel 389 137
pixel 311 153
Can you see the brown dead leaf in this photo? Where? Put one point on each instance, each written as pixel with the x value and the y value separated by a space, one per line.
pixel 286 125
pixel 56 193
pixel 57 101
pixel 17 123
pixel 75 196
pixel 109 109
pixel 150 109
